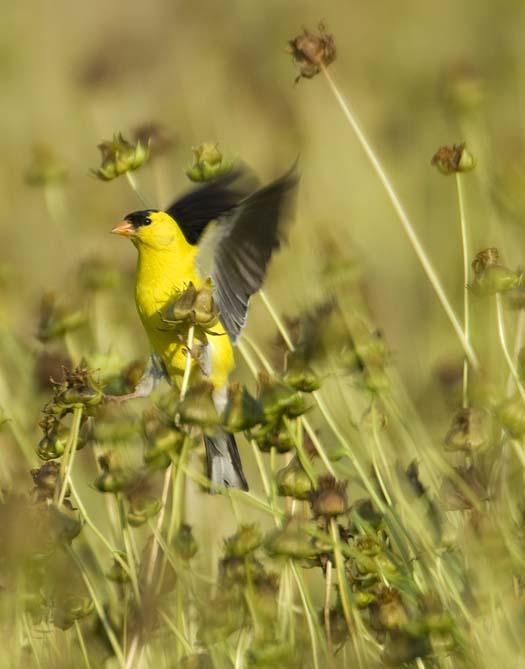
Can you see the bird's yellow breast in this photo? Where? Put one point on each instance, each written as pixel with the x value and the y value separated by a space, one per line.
pixel 161 274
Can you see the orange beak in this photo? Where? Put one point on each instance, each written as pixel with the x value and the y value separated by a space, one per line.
pixel 125 229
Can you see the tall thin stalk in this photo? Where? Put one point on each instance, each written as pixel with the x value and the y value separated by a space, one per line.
pixel 503 341
pixel 466 305
pixel 404 219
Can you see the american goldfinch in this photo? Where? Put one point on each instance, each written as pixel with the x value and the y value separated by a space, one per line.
pixel 249 228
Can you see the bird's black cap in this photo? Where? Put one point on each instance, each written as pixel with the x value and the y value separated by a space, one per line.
pixel 138 218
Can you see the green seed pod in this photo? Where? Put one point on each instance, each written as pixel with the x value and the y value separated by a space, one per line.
pixel 299 374
pixel 120 156
pixel 142 509
pixel 184 543
pixel 50 446
pixel 180 309
pixel 198 407
pixel 71 609
pixel 114 478
pixel 470 431
pixel 511 414
pixel 204 311
pixel 277 398
pixel 273 436
pixel 330 498
pixel 293 541
pixel 163 445
pixel 208 163
pixel 293 481
pixel 496 279
pixel 247 539
pixel 242 411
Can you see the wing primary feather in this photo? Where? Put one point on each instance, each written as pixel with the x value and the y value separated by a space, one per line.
pixel 247 240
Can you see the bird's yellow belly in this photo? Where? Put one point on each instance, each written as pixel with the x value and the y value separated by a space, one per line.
pixel 216 354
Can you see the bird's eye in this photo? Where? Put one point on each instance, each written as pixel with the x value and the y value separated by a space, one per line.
pixel 147 221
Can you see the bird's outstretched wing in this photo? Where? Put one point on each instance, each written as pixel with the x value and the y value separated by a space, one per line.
pixel 197 207
pixel 246 241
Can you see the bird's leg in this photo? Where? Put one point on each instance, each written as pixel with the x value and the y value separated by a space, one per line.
pixel 154 373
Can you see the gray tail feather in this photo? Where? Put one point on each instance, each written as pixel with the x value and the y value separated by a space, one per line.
pixel 224 461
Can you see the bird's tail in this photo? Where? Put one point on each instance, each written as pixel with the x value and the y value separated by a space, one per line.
pixel 224 461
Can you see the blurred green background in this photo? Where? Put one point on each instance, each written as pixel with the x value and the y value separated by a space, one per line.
pixel 73 73
pixel 417 74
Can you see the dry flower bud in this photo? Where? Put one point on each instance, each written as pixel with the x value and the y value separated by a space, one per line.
pixel 246 540
pixel 453 159
pixel 330 498
pixel 470 431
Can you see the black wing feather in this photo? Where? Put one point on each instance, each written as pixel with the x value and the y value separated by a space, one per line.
pixel 244 250
pixel 214 199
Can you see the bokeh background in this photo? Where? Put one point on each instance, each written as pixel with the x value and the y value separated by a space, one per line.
pixel 418 75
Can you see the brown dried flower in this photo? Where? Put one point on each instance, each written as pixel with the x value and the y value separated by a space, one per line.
pixel 312 51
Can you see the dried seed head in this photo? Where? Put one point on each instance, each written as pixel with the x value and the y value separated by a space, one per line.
pixel 470 431
pixel 192 306
pixel 78 388
pixel 71 609
pixel 312 51
pixel 273 435
pixel 45 479
pixel 485 258
pixel 452 159
pixel 119 156
pixel 330 498
pixel 490 276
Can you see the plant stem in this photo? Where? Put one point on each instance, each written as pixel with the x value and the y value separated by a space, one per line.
pixel 82 644
pixel 504 347
pixel 327 597
pixel 134 186
pixel 405 221
pixel 100 610
pixel 466 305
pixel 66 465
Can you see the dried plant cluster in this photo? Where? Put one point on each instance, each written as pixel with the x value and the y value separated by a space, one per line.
pixel 368 538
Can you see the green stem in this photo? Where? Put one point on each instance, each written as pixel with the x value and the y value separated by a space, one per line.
pixel 135 188
pixel 66 466
pixel 405 221
pixel 504 347
pixel 466 306
pixel 100 610
pixel 82 644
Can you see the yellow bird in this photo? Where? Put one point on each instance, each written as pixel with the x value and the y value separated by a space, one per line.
pixel 249 229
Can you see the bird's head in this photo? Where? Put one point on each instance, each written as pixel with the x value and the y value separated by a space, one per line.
pixel 149 227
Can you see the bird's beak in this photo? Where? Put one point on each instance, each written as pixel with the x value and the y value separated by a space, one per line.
pixel 125 229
